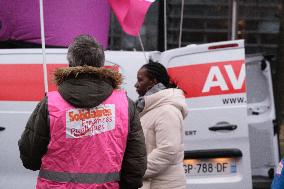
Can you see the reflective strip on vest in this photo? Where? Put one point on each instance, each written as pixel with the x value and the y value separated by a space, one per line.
pixel 84 178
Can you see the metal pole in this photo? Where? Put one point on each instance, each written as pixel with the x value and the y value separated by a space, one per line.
pixel 43 46
pixel 234 19
pixel 181 22
pixel 142 46
pixel 165 23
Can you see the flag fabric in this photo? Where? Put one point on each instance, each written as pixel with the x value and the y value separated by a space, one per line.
pixel 130 14
pixel 63 20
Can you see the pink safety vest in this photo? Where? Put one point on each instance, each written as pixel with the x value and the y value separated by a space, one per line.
pixel 86 145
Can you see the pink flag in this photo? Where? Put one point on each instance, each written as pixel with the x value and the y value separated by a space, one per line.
pixel 130 14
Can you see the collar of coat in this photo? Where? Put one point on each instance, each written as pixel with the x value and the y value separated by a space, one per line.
pixel 62 74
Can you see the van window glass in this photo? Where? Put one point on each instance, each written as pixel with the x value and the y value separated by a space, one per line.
pixel 257 87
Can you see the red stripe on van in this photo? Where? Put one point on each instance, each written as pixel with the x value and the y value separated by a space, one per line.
pixel 24 82
pixel 193 79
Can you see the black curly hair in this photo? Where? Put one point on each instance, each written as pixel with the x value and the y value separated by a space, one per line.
pixel 156 70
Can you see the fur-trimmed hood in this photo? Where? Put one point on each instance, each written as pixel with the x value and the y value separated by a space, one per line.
pixel 62 74
pixel 86 86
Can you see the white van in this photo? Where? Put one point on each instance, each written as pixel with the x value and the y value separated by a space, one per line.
pixel 217 153
pixel 229 132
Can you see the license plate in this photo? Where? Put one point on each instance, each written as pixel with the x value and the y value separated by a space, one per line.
pixel 214 166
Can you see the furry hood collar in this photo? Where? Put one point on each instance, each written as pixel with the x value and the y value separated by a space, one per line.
pixel 62 74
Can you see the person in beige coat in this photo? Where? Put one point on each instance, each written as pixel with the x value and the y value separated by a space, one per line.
pixel 162 111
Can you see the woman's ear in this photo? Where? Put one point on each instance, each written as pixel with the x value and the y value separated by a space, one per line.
pixel 153 82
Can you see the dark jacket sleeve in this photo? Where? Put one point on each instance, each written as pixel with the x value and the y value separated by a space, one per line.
pixel 135 158
pixel 35 138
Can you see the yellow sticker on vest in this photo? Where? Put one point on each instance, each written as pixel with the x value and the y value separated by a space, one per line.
pixel 88 122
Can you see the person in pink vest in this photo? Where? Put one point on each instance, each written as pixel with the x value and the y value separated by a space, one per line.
pixel 87 134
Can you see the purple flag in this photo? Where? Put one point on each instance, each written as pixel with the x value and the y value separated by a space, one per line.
pixel 64 19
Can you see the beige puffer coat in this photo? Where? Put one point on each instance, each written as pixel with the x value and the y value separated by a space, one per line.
pixel 162 123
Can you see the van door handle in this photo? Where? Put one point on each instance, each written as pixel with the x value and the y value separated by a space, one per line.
pixel 223 126
pixel 2 128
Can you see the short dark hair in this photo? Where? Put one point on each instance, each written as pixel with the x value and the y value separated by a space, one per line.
pixel 85 51
pixel 157 71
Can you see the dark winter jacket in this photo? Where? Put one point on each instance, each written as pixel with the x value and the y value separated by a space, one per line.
pixel 85 87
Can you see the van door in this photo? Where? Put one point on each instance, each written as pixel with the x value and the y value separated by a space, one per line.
pixel 216 136
pixel 261 116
